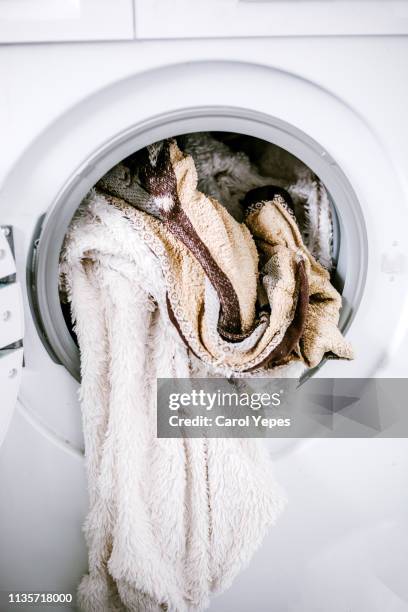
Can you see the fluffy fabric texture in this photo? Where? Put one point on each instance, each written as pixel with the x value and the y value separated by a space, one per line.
pixel 225 316
pixel 163 282
pixel 170 521
pixel 227 174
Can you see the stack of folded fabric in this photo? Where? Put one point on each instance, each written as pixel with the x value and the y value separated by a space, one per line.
pixel 163 281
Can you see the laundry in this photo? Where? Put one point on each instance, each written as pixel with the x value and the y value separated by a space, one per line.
pixel 164 282
pixel 225 316
pixel 170 521
pixel 228 174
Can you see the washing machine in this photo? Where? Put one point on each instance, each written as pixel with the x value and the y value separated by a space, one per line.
pixel 85 83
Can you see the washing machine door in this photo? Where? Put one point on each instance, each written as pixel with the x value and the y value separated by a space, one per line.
pixel 11 330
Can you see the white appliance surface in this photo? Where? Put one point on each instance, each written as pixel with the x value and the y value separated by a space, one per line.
pixel 75 20
pixel 340 546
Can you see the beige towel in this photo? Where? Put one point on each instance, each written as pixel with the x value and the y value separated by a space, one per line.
pixel 247 296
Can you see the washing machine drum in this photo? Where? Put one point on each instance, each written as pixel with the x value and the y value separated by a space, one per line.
pixel 228 166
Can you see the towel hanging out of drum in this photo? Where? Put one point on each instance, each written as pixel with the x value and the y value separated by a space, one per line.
pixel 163 281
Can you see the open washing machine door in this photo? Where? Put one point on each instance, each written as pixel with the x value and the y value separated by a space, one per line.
pixel 69 157
pixel 11 330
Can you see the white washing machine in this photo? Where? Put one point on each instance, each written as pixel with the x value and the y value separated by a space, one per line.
pixel 84 84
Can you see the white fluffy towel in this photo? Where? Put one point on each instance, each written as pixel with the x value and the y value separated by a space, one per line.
pixel 171 521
